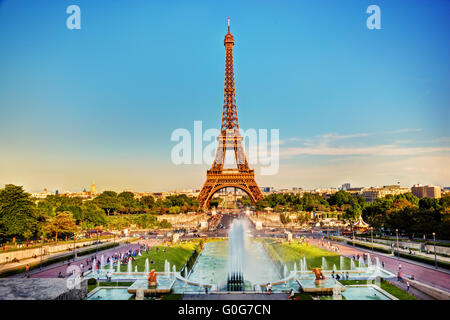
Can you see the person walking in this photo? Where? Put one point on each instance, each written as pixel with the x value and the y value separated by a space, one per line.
pixel 407 286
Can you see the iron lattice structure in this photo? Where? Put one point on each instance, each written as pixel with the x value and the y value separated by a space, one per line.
pixel 229 139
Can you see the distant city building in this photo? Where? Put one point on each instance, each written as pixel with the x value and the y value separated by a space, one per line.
pixel 426 191
pixel 345 186
pixel 370 194
pixel 93 190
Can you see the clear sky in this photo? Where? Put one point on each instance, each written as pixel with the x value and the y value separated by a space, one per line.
pixel 369 107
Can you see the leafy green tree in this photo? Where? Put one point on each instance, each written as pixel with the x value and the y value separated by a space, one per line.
pixel 108 201
pixel 147 202
pixel 63 222
pixel 127 201
pixel 17 212
pixel 92 214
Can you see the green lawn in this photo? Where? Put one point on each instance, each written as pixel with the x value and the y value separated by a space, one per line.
pixel 176 254
pixel 288 253
pixel 389 288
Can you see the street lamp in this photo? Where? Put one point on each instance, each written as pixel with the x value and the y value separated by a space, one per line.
pixel 96 248
pixel 74 250
pixel 435 258
pixel 371 235
pixel 398 253
pixel 353 232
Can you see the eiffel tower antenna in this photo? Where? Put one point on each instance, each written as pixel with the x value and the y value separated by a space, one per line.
pixel 230 138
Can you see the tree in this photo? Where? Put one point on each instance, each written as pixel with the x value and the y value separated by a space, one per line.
pixel 147 202
pixel 63 222
pixel 17 212
pixel 127 201
pixel 284 218
pixel 108 201
pixel 92 215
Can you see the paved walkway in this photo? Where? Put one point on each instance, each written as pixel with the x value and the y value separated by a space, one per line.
pixel 386 247
pixel 53 270
pixel 236 296
pixel 425 274
pixel 31 261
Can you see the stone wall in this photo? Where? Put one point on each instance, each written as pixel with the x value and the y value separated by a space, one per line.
pixel 40 289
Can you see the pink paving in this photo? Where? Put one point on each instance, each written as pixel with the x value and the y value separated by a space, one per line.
pixel 436 278
pixel 53 272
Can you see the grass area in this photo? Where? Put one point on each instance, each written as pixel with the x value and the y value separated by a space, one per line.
pixel 386 286
pixel 176 254
pixel 302 296
pixel 290 253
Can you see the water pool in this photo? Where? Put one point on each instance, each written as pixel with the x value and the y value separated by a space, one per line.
pixel 111 294
pixel 364 293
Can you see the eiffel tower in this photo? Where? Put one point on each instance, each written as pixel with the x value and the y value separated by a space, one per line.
pixel 230 138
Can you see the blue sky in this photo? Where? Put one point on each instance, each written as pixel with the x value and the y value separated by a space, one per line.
pixel 369 107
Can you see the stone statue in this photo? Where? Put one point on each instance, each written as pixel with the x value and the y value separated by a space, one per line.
pixel 139 293
pixel 337 292
pixel 320 278
pixel 152 278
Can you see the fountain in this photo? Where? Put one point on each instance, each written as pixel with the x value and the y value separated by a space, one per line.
pixel 305 266
pixel 369 261
pixel 378 264
pixel 94 265
pixel 111 265
pixel 341 263
pixel 130 267
pixel 174 271
pixel 146 269
pixel 235 278
pixel 135 269
pixel 361 262
pixel 324 264
pixel 285 273
pixel 334 268
pixel 352 264
pixel 166 267
pixel 295 268
pixel 102 262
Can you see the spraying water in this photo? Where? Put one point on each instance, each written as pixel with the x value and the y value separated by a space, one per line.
pixel 235 279
pixel 352 264
pixel 130 267
pixel 295 267
pixel 378 264
pixel 360 262
pixel 118 265
pixel 102 262
pixel 324 264
pixel 166 266
pixel 341 263
pixel 111 264
pixel 147 268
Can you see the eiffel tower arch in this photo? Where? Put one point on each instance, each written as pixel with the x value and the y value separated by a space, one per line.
pixel 241 177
